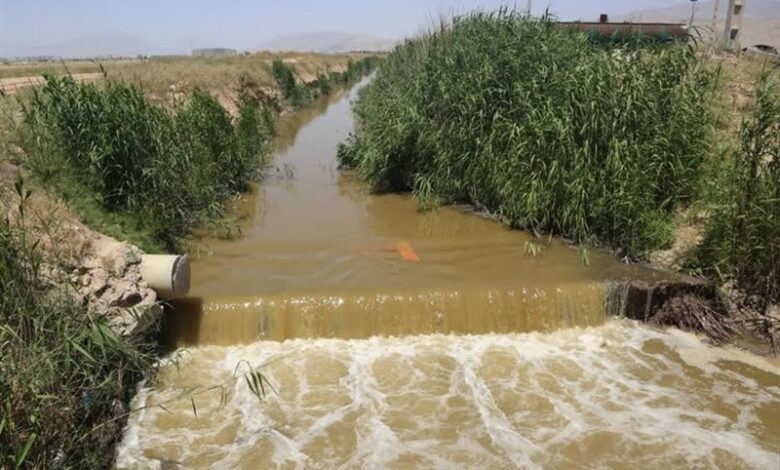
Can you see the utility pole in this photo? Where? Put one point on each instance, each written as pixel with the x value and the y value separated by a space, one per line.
pixel 693 13
pixel 733 23
pixel 714 23
pixel 528 8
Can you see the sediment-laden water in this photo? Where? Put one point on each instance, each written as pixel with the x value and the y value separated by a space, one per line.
pixel 619 395
pixel 394 338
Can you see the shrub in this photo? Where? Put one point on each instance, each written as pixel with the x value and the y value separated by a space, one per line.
pixel 550 131
pixel 323 84
pixel 742 239
pixel 301 94
pixel 298 95
pixel 284 77
pixel 170 170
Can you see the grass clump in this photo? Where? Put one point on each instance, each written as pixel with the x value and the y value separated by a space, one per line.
pixel 598 142
pixel 150 169
pixel 742 240
pixel 64 377
pixel 301 94
pixel 296 94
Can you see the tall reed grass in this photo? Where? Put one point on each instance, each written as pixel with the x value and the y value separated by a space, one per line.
pixel 166 171
pixel 301 94
pixel 742 241
pixel 550 131
pixel 64 376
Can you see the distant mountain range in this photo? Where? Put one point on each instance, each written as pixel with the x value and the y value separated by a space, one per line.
pixel 328 42
pixel 760 24
pixel 98 45
pixel 127 45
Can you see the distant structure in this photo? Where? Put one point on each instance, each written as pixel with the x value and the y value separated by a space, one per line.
pixel 38 58
pixel 213 52
pixel 606 29
pixel 733 24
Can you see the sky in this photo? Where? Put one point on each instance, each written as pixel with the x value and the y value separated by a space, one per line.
pixel 31 27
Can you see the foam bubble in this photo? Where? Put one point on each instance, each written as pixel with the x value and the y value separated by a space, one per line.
pixel 620 395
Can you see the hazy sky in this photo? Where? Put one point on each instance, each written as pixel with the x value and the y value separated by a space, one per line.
pixel 32 26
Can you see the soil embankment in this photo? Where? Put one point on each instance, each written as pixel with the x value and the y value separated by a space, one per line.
pixel 723 314
pixel 98 271
pixel 12 85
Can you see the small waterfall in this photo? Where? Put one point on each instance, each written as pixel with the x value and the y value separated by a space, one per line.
pixel 472 310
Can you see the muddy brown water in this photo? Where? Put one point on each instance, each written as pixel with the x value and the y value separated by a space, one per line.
pixel 400 339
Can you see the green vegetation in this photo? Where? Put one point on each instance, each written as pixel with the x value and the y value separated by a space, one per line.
pixel 148 173
pixel 285 80
pixel 742 240
pixel 63 375
pixel 301 94
pixel 355 70
pixel 138 168
pixel 550 131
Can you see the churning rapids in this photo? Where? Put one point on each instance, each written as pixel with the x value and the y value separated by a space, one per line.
pixel 399 339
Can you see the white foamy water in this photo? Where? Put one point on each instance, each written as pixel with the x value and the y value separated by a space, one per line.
pixel 617 396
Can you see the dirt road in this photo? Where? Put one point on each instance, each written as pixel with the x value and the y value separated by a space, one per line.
pixel 12 85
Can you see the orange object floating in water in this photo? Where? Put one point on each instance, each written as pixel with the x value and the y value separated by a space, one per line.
pixel 407 252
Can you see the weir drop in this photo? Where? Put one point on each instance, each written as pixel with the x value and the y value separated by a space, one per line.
pixel 394 338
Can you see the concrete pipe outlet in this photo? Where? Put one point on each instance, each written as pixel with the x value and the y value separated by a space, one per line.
pixel 167 275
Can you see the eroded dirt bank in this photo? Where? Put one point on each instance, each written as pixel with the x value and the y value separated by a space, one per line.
pixel 723 314
pixel 99 271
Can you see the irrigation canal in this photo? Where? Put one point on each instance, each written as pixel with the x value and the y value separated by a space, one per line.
pixel 350 299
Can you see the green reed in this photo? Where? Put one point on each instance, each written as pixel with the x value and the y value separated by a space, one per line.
pixel 742 241
pixel 547 129
pixel 302 94
pixel 164 171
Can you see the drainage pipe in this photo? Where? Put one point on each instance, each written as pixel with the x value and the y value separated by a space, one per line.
pixel 167 275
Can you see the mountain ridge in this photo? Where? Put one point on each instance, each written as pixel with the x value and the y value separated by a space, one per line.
pixel 328 42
